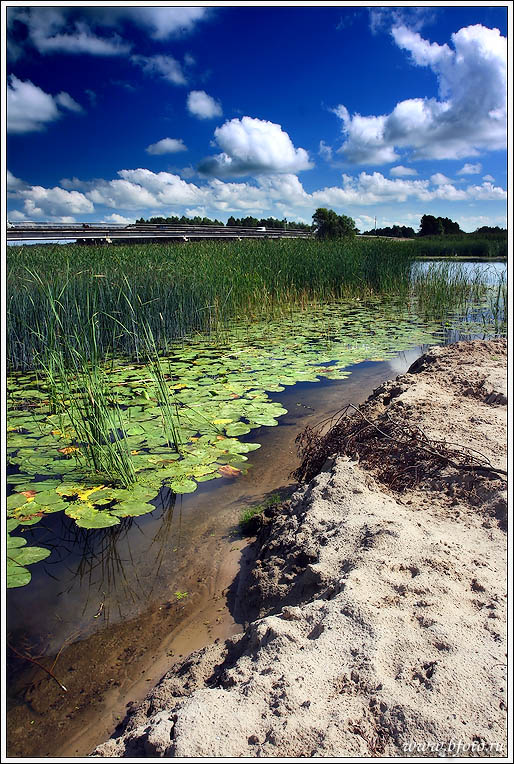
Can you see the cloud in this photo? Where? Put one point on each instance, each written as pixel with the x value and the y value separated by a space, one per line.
pixel 470 169
pixel 162 23
pixel 438 179
pixel 468 117
pixel 166 146
pixel 400 171
pixel 67 102
pixel 383 18
pixel 76 30
pixel 486 192
pixel 40 202
pixel 203 106
pixel 166 67
pixel 325 151
pixel 14 183
pixel 488 177
pixel 142 191
pixel 121 194
pixel 251 147
pixel 115 218
pixel 30 109
pixel 60 30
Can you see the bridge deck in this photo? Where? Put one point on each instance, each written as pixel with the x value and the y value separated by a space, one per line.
pixel 149 232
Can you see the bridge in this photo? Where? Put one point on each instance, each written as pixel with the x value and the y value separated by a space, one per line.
pixel 97 233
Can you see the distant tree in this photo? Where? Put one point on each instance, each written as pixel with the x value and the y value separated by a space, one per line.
pixel 491 229
pixel 429 226
pixel 330 225
pixel 398 231
pixel 449 226
pixel 432 226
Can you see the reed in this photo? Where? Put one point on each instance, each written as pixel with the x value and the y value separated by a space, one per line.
pixel 175 289
pixel 80 395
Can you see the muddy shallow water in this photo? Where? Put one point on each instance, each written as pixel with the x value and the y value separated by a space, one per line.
pixel 154 589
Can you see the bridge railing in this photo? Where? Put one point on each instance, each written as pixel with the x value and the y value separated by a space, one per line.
pixel 40 231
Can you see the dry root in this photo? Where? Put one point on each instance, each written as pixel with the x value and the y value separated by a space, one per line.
pixel 399 455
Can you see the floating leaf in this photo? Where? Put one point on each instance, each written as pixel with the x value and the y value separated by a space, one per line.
pixel 228 471
pixel 88 517
pixel 183 486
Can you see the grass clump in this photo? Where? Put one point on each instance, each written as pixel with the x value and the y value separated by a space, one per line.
pixel 250 519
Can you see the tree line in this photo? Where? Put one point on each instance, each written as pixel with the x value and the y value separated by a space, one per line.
pixel 327 224
pixel 246 222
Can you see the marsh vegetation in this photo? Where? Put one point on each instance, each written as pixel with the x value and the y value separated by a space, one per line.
pixel 135 367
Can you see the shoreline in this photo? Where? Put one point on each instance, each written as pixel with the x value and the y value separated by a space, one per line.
pixel 374 612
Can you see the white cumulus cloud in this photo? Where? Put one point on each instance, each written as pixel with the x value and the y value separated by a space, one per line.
pixel 203 106
pixel 438 179
pixel 400 171
pixel 470 169
pixel 166 146
pixel 115 218
pixel 40 202
pixel 469 116
pixel 254 146
pixel 30 109
pixel 141 191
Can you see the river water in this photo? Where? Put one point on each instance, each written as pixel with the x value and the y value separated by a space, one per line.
pixel 110 609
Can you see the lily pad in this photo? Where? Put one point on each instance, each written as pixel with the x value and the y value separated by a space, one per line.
pixel 183 486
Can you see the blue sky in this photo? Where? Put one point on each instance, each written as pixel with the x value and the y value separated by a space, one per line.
pixel 117 113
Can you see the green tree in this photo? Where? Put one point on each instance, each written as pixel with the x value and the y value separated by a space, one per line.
pixel 330 225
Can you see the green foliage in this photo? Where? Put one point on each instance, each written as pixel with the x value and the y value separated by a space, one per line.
pixel 397 231
pixel 432 226
pixel 330 225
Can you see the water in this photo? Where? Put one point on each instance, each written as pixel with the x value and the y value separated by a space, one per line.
pixel 112 603
pixel 489 271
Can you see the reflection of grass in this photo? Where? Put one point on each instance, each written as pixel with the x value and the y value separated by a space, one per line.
pixel 248 522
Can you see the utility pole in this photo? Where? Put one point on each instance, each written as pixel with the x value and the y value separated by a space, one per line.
pixel 375 222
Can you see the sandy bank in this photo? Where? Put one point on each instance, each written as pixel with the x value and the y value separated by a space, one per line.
pixel 378 592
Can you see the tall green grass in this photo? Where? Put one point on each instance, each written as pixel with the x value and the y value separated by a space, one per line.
pixel 175 289
pixel 469 246
pixel 78 388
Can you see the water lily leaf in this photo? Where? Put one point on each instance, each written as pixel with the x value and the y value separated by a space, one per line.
pixel 16 500
pixel 17 575
pixel 30 519
pixel 47 498
pixel 183 486
pixel 227 470
pixel 28 555
pixel 88 517
pixel 15 479
pixel 14 541
pixel 132 509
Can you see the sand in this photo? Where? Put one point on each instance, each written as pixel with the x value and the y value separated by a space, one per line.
pixel 377 615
